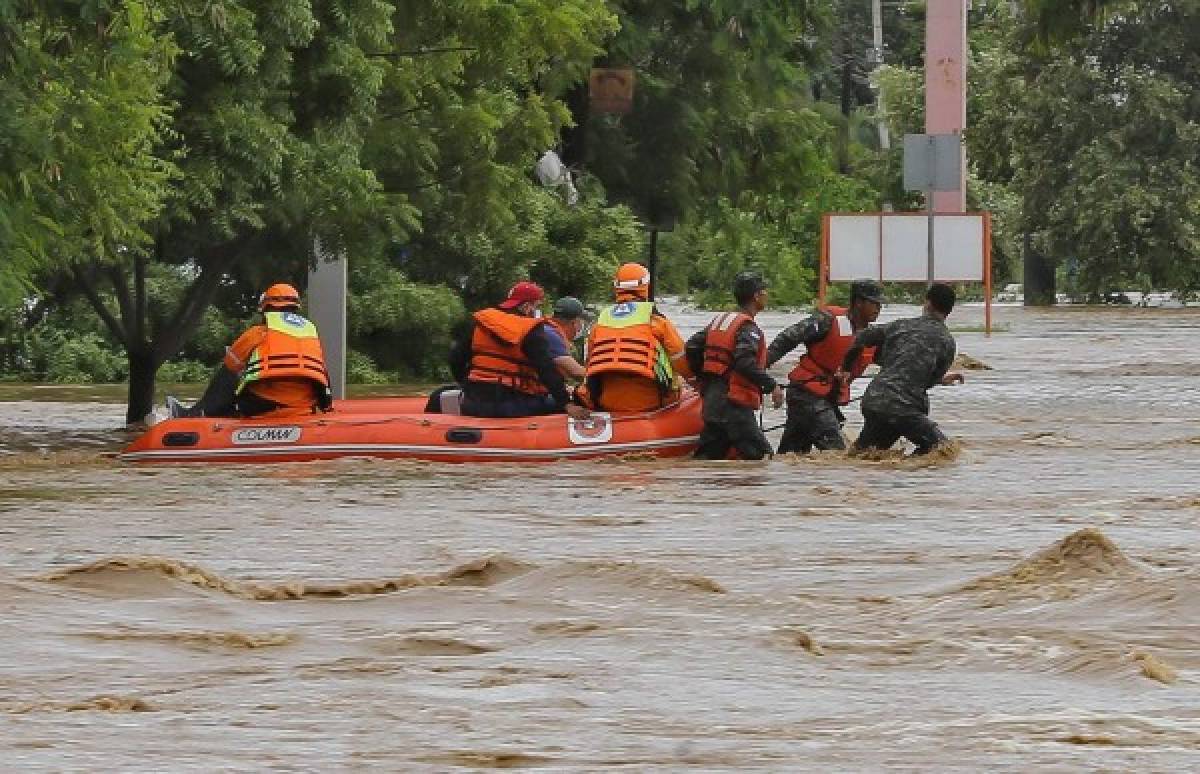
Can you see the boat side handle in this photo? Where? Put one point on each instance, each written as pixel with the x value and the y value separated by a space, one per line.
pixel 180 439
pixel 464 435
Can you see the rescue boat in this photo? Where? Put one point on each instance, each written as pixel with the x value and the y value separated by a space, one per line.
pixel 402 428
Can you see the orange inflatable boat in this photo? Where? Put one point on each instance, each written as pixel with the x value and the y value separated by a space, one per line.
pixel 400 428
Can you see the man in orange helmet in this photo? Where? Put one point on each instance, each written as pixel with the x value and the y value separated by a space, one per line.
pixel 275 369
pixel 635 356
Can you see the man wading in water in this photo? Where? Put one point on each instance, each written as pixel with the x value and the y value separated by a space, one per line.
pixel 730 356
pixel 914 355
pixel 814 399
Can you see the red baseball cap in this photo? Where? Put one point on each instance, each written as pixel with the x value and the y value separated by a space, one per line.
pixel 522 292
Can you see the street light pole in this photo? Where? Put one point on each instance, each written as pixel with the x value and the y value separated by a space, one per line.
pixel 877 42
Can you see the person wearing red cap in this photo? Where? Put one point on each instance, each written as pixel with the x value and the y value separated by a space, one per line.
pixel 276 369
pixel 505 364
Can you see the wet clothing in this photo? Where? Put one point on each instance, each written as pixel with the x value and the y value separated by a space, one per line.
pixel 727 424
pixel 506 368
pixel 880 431
pixel 634 359
pixel 913 355
pixel 808 332
pixel 812 423
pixel 814 418
pixel 276 369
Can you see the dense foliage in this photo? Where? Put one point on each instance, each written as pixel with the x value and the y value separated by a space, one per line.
pixel 162 160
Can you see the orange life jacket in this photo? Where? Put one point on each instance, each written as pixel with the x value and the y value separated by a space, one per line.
pixel 623 342
pixel 720 340
pixel 496 354
pixel 290 349
pixel 817 366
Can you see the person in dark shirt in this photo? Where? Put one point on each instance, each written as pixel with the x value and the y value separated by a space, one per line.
pixel 567 323
pixel 730 357
pixel 914 355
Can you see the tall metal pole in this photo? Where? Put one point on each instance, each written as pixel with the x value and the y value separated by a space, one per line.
pixel 327 308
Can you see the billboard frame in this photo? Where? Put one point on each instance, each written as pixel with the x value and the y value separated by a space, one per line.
pixel 823 271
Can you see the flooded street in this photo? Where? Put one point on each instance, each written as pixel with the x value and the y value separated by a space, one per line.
pixel 1034 601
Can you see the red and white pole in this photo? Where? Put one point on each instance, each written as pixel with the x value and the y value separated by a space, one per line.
pixel 946 85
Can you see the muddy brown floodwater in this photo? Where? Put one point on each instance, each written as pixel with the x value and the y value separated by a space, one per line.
pixel 1032 601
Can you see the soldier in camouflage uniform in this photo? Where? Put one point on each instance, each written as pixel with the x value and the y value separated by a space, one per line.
pixel 814 415
pixel 914 355
pixel 729 357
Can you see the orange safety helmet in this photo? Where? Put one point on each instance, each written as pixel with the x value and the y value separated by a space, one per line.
pixel 279 296
pixel 632 279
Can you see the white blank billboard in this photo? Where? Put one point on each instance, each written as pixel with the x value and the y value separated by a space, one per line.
pixel 893 247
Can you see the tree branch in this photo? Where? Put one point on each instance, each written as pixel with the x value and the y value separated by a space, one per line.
pixel 195 301
pixel 421 52
pixel 402 113
pixel 124 303
pixel 86 284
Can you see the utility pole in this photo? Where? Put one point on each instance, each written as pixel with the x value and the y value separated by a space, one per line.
pixel 946 87
pixel 877 60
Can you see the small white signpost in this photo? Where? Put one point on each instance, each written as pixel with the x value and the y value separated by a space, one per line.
pixel 932 162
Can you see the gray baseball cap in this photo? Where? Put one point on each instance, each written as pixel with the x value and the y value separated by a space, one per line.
pixel 571 308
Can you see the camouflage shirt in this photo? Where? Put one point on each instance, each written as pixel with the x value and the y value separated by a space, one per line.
pixel 913 355
pixel 808 331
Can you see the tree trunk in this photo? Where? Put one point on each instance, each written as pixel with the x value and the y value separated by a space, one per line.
pixel 142 372
pixel 1039 275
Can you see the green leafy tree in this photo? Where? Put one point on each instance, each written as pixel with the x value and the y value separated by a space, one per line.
pixel 268 108
pixel 82 88
pixel 745 115
pixel 708 73
pixel 471 98
pixel 1047 26
pixel 1106 150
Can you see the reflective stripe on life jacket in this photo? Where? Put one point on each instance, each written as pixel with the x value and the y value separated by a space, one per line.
pixel 720 340
pixel 290 349
pixel 623 342
pixel 817 366
pixel 496 353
